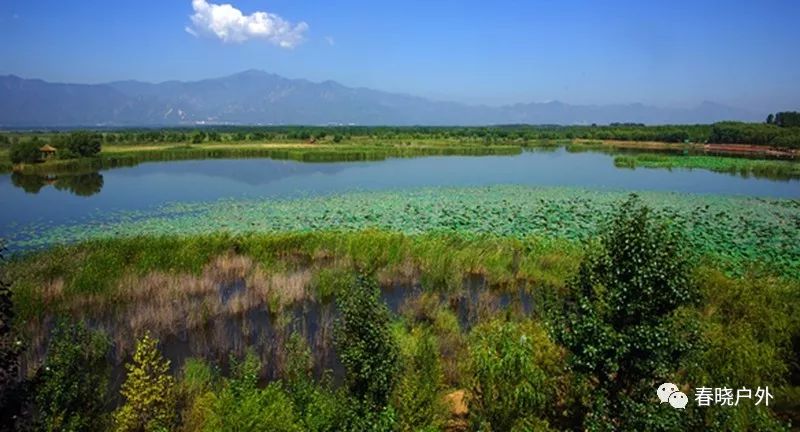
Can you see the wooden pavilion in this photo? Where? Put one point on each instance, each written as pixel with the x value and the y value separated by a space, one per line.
pixel 48 151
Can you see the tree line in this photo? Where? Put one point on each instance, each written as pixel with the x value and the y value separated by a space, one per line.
pixel 779 130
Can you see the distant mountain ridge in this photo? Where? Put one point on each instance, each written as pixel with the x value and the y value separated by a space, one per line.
pixel 259 98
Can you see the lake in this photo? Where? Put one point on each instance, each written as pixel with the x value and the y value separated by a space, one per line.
pixel 72 199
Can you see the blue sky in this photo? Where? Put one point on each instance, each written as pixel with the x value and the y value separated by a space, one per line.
pixel 668 53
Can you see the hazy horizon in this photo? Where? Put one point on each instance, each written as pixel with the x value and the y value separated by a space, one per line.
pixel 673 55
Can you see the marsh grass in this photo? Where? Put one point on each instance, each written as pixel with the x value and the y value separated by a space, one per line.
pixel 772 169
pixel 323 153
pixel 172 285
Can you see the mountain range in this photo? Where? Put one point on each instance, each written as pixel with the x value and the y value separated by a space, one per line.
pixel 259 98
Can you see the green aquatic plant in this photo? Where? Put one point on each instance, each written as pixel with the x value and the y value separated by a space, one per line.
pixel 772 169
pixel 734 229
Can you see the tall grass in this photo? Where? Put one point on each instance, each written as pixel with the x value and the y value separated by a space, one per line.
pixel 112 272
pixel 324 153
pixel 772 169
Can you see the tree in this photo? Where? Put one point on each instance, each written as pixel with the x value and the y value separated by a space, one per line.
pixel 770 119
pixel 80 144
pixel 621 322
pixel 367 350
pixel 149 391
pixel 787 119
pixel 198 137
pixel 74 380
pixel 25 152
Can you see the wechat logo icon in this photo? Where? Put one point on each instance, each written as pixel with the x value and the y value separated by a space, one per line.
pixel 669 392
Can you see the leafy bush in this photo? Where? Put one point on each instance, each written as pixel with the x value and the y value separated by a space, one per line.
pixel 25 152
pixel 242 406
pixel 80 144
pixel 321 409
pixel 514 367
pixel 747 328
pixel 149 391
pixel 74 380
pixel 368 352
pixel 418 395
pixel 620 324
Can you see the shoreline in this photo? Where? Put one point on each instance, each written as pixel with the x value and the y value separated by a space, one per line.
pixel 749 158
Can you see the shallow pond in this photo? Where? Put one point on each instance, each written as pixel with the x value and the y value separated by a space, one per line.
pixel 70 199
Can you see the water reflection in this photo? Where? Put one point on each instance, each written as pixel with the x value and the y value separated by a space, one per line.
pixel 86 184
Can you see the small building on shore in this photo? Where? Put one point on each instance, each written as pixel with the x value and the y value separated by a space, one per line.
pixel 48 151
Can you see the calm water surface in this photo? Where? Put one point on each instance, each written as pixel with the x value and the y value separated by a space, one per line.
pixel 69 199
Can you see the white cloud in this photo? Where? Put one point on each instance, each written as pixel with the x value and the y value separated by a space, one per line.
pixel 330 40
pixel 231 25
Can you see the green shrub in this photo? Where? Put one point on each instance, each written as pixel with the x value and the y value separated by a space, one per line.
pixel 79 144
pixel 368 352
pixel 242 406
pixel 74 380
pixel 149 392
pixel 197 390
pixel 514 368
pixel 320 407
pixel 25 152
pixel 418 395
pixel 747 328
pixel 620 323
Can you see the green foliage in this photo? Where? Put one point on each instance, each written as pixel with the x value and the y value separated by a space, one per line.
pixel 418 395
pixel 514 368
pixel 365 345
pixel 735 230
pixel 198 137
pixel 321 409
pixel 787 119
pixel 747 326
pixel 81 144
pixel 149 391
pixel 772 169
pixel 25 152
pixel 621 325
pixel 329 282
pixel 755 134
pixel 242 406
pixel 197 390
pixel 74 380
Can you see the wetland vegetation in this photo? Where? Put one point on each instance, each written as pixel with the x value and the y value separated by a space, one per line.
pixel 450 306
pixel 80 151
pixel 473 331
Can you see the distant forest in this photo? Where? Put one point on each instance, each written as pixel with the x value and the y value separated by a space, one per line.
pixel 779 130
